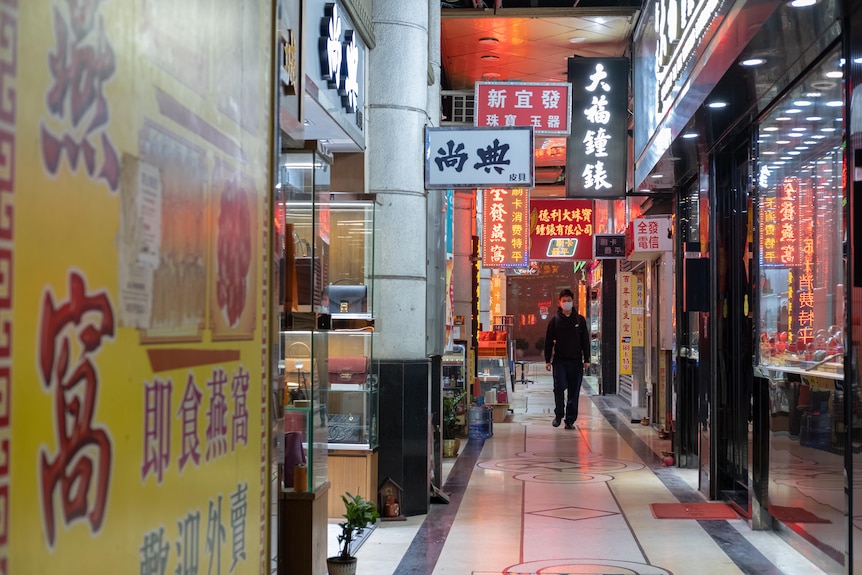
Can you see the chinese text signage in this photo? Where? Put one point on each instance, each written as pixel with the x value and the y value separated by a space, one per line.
pixel 596 153
pixel 648 237
pixel 505 227
pixel 779 225
pixel 610 247
pixel 478 158
pixel 626 293
pixel 544 106
pixel 561 230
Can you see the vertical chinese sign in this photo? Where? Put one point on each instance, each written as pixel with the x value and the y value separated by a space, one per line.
pixel 561 230
pixel 140 188
pixel 597 149
pixel 626 294
pixel 638 311
pixel 505 230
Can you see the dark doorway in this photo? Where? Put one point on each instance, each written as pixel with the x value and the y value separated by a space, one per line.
pixel 732 324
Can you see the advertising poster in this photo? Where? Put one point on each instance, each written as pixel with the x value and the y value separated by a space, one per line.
pixel 133 239
pixel 626 288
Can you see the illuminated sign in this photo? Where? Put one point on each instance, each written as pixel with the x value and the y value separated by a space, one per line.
pixel 561 230
pixel 647 238
pixel 597 148
pixel 478 158
pixel 339 59
pixel 505 227
pixel 610 246
pixel 680 27
pixel 547 107
pixel 625 288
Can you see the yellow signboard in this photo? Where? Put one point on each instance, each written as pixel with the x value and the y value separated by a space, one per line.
pixel 626 289
pixel 133 244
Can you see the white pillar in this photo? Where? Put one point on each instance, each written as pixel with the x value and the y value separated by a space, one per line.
pixel 397 101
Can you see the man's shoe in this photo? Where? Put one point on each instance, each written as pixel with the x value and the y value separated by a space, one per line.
pixel 557 421
pixel 570 425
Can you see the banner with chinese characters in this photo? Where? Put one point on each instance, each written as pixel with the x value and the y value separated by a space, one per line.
pixel 648 237
pixel 638 311
pixel 547 107
pixel 135 294
pixel 561 230
pixel 478 158
pixel 597 149
pixel 610 246
pixel 779 225
pixel 505 235
pixel 625 297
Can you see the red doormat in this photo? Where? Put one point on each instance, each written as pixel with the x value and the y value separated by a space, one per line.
pixel 717 511
pixel 795 515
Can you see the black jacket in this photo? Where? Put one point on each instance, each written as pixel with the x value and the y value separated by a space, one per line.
pixel 567 337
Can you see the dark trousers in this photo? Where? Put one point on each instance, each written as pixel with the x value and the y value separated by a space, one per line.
pixel 568 375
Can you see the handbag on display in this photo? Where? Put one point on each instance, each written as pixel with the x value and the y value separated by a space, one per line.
pixel 349 370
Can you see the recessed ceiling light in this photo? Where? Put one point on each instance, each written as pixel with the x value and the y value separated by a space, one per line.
pixel 577 40
pixel 779 163
pixel 783 118
pixel 770 129
pixel 798 129
pixel 801 103
pixel 857 60
pixel 812 94
pixel 793 153
pixel 814 118
pixel 786 157
pixel 818 136
pixel 782 141
pixel 488 40
pixel 835 74
pixel 802 3
pixel 828 129
pixel 835 103
pixel 657 176
pixel 801 147
pixel 490 57
pixel 792 111
pixel 753 62
pixel 689 135
pixel 810 142
pixel 768 153
pixel 716 105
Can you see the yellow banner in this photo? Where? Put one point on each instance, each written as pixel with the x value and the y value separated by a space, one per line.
pixel 134 231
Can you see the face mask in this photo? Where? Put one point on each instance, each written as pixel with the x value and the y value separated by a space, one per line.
pixel 567 305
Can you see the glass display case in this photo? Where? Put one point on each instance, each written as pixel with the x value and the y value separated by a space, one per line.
pixel 352 396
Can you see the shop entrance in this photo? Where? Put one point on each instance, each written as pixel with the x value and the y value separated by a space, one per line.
pixel 732 327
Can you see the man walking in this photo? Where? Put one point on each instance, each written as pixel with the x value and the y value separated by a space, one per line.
pixel 567 348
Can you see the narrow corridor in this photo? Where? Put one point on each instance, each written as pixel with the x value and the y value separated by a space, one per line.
pixel 535 499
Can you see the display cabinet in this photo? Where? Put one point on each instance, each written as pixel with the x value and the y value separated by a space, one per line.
pixel 353 391
pixel 454 370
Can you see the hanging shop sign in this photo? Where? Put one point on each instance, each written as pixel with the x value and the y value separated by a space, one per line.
pixel 638 311
pixel 505 229
pixel 478 158
pixel 597 149
pixel 339 57
pixel 547 107
pixel 626 294
pixel 647 238
pixel 610 247
pixel 561 230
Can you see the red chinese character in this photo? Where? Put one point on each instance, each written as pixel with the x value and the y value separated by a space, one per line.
pixel 83 61
pixel 69 336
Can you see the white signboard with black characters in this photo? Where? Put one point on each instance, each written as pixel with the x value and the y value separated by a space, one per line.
pixel 478 158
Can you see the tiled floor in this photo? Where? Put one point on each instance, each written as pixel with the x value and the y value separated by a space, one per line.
pixel 535 499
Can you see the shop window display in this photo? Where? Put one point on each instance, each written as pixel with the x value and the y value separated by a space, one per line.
pixel 801 228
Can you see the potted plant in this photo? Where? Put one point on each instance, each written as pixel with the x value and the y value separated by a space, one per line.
pixel 359 513
pixel 450 423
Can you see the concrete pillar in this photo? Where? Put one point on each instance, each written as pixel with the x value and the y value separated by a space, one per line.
pixel 397 114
